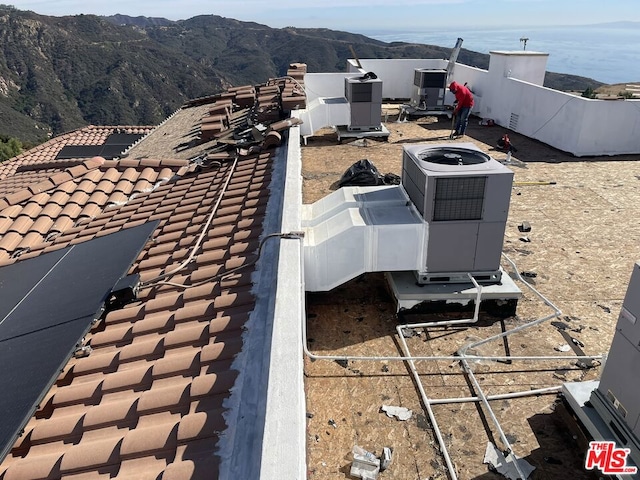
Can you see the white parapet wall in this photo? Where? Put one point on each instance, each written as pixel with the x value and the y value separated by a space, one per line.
pixel 510 93
pixel 396 75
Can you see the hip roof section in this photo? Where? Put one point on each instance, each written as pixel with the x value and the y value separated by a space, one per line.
pixel 151 399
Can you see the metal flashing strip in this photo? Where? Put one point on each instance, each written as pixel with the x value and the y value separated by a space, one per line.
pixel 47 304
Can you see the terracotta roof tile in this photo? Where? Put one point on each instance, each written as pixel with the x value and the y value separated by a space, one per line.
pixel 71 210
pixel 152 323
pixel 62 223
pixel 92 455
pixel 96 362
pixel 86 393
pixel 5 223
pixel 32 209
pixel 168 302
pixel 18 197
pixel 195 311
pixel 57 428
pixel 110 413
pixel 149 349
pixel 79 197
pixel 60 178
pixel 11 212
pixel 220 351
pixel 10 241
pixel 90 210
pixel 203 291
pixel 177 363
pixel 148 397
pixel 212 384
pixel 164 398
pixel 126 314
pixel 43 224
pixel 59 198
pixel 200 425
pixel 134 377
pixel 21 224
pixel 30 240
pixel 194 335
pixel 38 468
pixel 141 467
pixel 115 334
pixel 152 439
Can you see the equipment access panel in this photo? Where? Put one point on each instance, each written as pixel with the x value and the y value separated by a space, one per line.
pixel 619 389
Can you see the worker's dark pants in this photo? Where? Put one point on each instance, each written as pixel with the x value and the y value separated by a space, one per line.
pixel 463 120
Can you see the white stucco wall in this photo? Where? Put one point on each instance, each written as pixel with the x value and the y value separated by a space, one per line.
pixel 527 66
pixel 510 93
pixel 397 75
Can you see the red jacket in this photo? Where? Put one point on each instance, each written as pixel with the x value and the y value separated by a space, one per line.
pixel 463 95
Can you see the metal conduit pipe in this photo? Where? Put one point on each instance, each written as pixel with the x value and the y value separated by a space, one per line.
pixel 499 396
pixel 508 448
pixel 432 417
pixel 556 313
pixel 463 357
pixel 476 312
pixel 404 358
pixel 469 371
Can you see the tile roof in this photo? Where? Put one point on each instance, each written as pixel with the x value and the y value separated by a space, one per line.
pixel 149 400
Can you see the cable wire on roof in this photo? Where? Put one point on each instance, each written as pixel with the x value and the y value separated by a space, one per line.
pixel 204 231
pixel 220 276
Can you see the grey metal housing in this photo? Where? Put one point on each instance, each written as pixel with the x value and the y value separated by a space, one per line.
pixel 463 195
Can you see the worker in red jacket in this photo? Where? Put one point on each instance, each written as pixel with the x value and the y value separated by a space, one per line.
pixel 464 102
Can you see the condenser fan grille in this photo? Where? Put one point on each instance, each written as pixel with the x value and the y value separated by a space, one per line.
pixel 460 198
pixel 453 156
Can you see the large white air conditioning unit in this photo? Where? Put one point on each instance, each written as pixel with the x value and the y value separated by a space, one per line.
pixel 463 196
pixel 429 86
pixel 364 95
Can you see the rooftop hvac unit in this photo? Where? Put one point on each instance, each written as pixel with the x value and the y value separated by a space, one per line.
pixel 428 89
pixel 364 95
pixel 463 196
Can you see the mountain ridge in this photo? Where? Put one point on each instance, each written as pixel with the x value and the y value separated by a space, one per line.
pixel 61 73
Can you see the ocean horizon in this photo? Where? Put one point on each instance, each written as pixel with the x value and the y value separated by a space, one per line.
pixel 606 53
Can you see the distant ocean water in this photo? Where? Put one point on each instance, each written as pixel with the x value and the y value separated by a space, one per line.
pixel 609 54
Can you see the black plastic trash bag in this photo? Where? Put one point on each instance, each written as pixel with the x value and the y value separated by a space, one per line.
pixel 391 179
pixel 362 173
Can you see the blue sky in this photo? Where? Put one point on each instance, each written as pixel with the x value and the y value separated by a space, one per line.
pixel 361 15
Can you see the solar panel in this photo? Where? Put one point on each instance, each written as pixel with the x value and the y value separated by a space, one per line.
pixel 47 304
pixel 125 139
pixel 112 147
pixel 109 152
pixel 78 151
